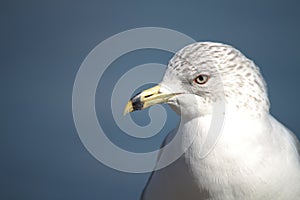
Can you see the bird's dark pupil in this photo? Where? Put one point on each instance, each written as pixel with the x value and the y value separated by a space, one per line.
pixel 201 78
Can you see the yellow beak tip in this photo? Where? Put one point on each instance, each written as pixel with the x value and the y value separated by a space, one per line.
pixel 128 108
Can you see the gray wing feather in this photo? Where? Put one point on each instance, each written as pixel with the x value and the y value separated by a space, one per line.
pixel 158 157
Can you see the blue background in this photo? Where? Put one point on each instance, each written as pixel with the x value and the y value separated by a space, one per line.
pixel 42 46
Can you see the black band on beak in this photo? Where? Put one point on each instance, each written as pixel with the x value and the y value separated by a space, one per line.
pixel 137 104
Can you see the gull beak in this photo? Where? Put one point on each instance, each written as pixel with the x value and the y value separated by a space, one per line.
pixel 148 98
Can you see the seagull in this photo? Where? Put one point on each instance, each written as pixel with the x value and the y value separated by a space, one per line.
pixel 255 157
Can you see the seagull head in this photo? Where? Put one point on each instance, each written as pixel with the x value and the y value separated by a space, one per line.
pixel 204 75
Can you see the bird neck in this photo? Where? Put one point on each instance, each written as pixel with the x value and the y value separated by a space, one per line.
pixel 204 132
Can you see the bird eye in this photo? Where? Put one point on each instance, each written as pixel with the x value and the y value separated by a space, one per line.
pixel 201 79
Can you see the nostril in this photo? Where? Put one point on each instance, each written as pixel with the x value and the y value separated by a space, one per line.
pixel 149 95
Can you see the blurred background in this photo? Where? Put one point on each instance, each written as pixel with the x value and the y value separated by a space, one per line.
pixel 43 44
